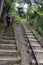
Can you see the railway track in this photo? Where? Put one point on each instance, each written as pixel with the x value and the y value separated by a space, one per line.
pixel 34 44
pixel 9 53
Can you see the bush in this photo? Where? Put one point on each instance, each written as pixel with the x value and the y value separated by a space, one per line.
pixel 40 31
pixel 16 18
pixel 31 22
pixel 38 24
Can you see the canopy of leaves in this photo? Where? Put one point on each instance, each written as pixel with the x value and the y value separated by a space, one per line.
pixel 39 1
pixel 9 3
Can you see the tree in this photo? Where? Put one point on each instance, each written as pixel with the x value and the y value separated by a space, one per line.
pixel 1 6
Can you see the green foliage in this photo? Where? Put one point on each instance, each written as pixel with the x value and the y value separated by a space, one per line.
pixel 17 19
pixel 36 18
pixel 9 1
pixel 39 1
pixel 31 22
pixel 19 1
pixel 37 23
pixel 8 4
pixel 40 13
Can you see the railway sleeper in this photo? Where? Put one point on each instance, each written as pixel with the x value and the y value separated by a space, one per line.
pixel 10 60
pixel 7 42
pixel 8 38
pixel 33 62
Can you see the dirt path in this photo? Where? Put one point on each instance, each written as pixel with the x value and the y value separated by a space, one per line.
pixel 23 47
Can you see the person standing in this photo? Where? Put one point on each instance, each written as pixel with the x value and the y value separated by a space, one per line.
pixel 9 19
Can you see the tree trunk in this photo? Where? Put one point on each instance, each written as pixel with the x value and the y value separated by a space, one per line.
pixel 1 7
